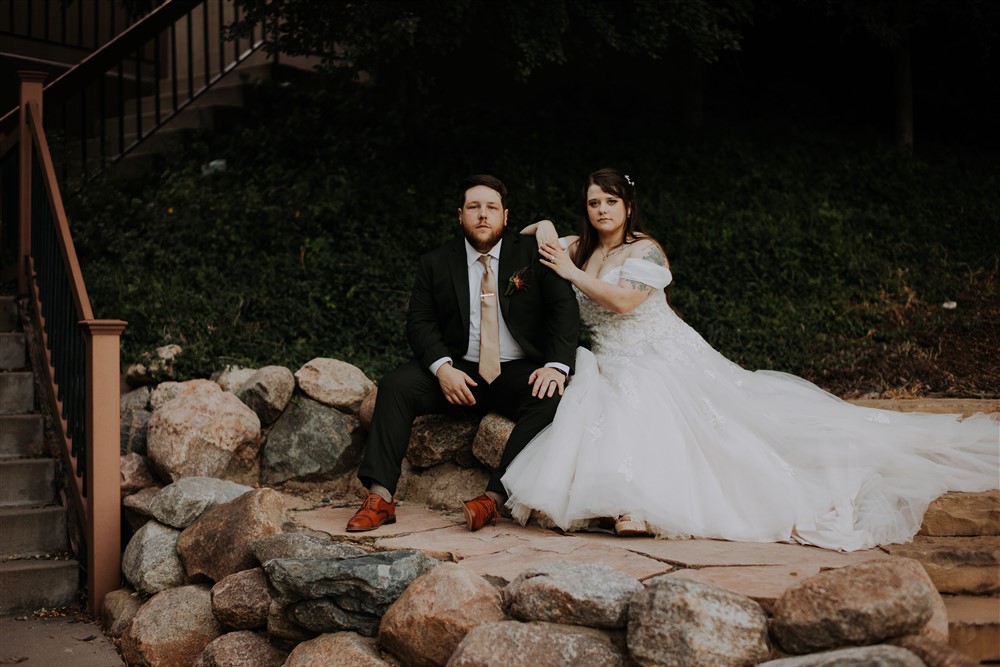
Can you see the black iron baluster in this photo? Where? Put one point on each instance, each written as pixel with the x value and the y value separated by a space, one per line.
pixel 205 43
pixel 83 128
pixel 222 38
pixel 156 78
pixel 173 62
pixel 138 95
pixel 190 58
pixel 121 108
pixel 102 119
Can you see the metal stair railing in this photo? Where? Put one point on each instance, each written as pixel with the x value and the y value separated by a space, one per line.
pixel 156 68
pixel 82 367
pixel 78 25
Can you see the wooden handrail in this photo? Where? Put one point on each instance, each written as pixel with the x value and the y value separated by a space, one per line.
pixel 118 49
pixel 95 496
pixel 66 246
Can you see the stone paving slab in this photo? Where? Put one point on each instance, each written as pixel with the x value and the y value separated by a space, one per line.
pixel 409 519
pixel 701 553
pixel 455 543
pixel 506 565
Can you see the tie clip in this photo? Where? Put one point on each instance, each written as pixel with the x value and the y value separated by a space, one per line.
pixel 486 294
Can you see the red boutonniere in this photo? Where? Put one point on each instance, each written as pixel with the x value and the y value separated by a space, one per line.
pixel 517 282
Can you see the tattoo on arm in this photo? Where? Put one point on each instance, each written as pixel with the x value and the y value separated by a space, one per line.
pixel 655 255
pixel 638 286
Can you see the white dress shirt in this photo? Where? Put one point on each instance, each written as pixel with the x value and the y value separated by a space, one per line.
pixel 509 349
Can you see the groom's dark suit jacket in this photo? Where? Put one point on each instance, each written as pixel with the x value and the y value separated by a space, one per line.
pixel 543 316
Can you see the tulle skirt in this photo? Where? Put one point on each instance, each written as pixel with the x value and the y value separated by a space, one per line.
pixel 708 449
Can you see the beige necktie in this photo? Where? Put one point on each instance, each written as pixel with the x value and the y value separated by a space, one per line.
pixel 489 324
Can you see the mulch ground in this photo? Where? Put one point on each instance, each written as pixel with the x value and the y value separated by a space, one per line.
pixel 954 354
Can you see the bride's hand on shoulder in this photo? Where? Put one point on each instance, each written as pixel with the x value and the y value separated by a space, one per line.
pixel 557 259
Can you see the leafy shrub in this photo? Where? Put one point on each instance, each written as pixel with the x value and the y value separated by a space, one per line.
pixel 791 249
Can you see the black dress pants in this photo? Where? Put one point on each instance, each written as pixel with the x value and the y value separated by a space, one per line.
pixel 410 390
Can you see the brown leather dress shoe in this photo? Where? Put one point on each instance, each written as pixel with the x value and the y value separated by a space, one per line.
pixel 373 513
pixel 479 511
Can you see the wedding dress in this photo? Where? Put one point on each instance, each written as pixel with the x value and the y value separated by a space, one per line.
pixel 658 425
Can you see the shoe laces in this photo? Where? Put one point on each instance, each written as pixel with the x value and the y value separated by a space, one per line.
pixel 371 502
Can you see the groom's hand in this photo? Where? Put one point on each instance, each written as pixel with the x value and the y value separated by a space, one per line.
pixel 455 385
pixel 546 382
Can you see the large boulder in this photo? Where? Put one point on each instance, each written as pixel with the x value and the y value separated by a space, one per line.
pixel 334 383
pixel 425 625
pixel 203 431
pixel 516 644
pixel 134 474
pixel 135 507
pixel 180 503
pixel 150 562
pixel 333 594
pixel 241 600
pixel 437 439
pixel 302 545
pixel 117 611
pixel 311 442
pixel 864 656
pixel 268 391
pixel 571 592
pixel 232 378
pixel 171 629
pixel 443 487
pixel 240 649
pixel 348 649
pixel 676 621
pixel 491 439
pixel 220 542
pixel 856 605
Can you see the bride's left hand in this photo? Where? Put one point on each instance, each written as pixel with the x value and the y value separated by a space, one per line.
pixel 557 259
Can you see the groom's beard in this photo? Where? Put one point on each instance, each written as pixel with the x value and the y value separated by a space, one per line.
pixel 482 239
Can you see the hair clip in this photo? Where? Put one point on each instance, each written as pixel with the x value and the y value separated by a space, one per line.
pixel 629 180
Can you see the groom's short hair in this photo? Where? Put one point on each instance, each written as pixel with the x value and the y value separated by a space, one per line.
pixel 481 179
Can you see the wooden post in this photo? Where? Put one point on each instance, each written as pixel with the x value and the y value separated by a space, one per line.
pixel 103 464
pixel 31 92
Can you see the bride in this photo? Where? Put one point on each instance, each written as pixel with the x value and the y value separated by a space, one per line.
pixel 663 432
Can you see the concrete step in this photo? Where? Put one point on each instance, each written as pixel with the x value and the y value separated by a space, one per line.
pixel 9 318
pixel 17 393
pixel 21 436
pixel 963 514
pixel 974 626
pixel 27 483
pixel 27 585
pixel 33 531
pixel 13 352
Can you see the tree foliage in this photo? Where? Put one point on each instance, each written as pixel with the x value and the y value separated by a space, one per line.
pixel 516 36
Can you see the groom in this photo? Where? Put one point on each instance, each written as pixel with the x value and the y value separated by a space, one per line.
pixel 491 330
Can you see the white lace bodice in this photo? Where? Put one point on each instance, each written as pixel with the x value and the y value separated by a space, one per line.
pixel 651 325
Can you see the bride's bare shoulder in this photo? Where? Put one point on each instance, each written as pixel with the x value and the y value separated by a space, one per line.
pixel 647 248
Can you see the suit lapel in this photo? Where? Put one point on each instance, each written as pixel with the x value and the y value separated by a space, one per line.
pixel 459 269
pixel 507 267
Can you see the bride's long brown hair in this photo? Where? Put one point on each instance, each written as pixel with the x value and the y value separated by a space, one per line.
pixel 614 183
pixel 618 184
